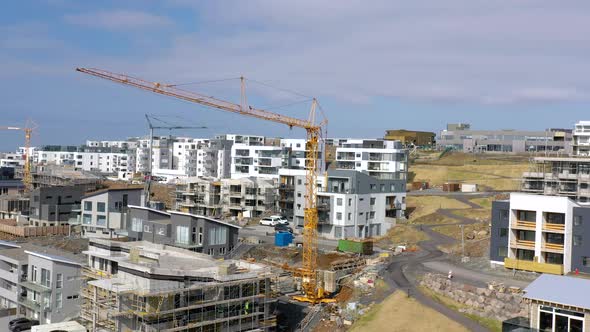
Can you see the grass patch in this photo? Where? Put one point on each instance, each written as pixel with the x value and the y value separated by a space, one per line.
pixel 480 214
pixel 402 313
pixel 484 202
pixel 489 323
pixel 424 205
pixel 404 234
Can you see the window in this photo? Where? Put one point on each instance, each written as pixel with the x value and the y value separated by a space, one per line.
pixel 586 261
pixel 100 206
pixel 350 202
pixel 162 231
pixel 504 214
pixel 87 206
pixel 382 186
pixel 527 215
pixel 299 181
pixel 373 186
pixel 72 297
pixel 372 215
pixel 86 219
pixel 147 229
pixel 502 251
pixel 577 240
pixel 33 273
pixel 136 224
pixel 577 220
pixel 503 232
pixel 200 235
pixel 101 220
pixel 298 194
pixel 392 188
pixel 182 235
pixel 45 278
pixel 59 280
pixel 373 200
pixel 58 300
pixel 217 235
pixel 338 215
pixel 339 201
pixel 349 216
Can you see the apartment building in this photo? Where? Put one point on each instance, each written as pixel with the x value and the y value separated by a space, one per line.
pixel 13 206
pixel 129 144
pixel 142 286
pixel 255 161
pixel 381 159
pixel 540 233
pixel 9 185
pixel 251 140
pixel 200 196
pixel 162 153
pixel 186 153
pixel 248 197
pixel 351 204
pixel 461 137
pixel 86 159
pixel 581 139
pixel 104 212
pixel 55 205
pixel 12 160
pixel 41 283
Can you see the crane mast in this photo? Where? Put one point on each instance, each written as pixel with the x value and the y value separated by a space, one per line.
pixel 27 177
pixel 308 271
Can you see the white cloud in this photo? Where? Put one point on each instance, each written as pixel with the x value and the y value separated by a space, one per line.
pixel 457 50
pixel 118 20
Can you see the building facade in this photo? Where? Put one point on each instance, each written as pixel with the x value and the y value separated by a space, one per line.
pixel 104 212
pixel 41 283
pixel 385 160
pixel 51 206
pixel 540 233
pixel 184 230
pixel 462 138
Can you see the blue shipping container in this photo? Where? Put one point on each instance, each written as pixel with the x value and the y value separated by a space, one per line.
pixel 283 239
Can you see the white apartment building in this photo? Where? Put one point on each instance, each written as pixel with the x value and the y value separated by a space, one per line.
pixel 11 160
pixel 581 139
pixel 242 139
pixel 161 154
pixel 382 159
pixel 540 233
pixel 128 144
pixel 255 161
pixel 104 162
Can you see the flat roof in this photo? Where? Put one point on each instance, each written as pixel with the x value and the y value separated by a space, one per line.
pixel 571 159
pixel 569 291
pixel 203 217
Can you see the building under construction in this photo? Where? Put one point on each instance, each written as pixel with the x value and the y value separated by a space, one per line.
pixel 559 176
pixel 142 286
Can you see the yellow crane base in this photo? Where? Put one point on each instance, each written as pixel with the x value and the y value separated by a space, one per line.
pixel 314 301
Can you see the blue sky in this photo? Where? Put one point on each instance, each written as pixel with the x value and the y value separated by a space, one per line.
pixel 373 66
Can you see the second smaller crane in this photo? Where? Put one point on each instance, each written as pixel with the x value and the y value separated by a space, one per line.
pixel 27 177
pixel 148 174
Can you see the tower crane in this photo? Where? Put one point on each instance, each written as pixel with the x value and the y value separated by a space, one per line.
pixel 28 130
pixel 148 175
pixel 308 271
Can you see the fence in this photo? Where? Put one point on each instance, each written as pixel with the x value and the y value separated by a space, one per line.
pixel 32 231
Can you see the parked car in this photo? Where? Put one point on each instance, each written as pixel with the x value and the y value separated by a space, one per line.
pixel 23 325
pixel 283 228
pixel 17 320
pixel 281 220
pixel 269 221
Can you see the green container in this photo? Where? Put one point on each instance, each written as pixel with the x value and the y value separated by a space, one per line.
pixel 356 246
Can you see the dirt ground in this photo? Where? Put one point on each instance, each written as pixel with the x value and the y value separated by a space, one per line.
pixel 401 234
pixel 401 313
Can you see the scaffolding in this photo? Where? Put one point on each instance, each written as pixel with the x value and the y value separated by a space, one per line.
pixel 239 305
pixel 569 177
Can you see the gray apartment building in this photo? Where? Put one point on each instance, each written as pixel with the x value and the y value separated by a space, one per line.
pixel 50 206
pixel 104 212
pixel 461 137
pixel 184 230
pixel 39 282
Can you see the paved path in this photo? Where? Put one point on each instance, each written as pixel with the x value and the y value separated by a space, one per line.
pixel 400 271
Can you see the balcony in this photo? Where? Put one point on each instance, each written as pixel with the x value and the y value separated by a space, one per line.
pixel 522 244
pixel 553 247
pixel 513 263
pixel 95 273
pixel 36 306
pixel 555 228
pixel 522 224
